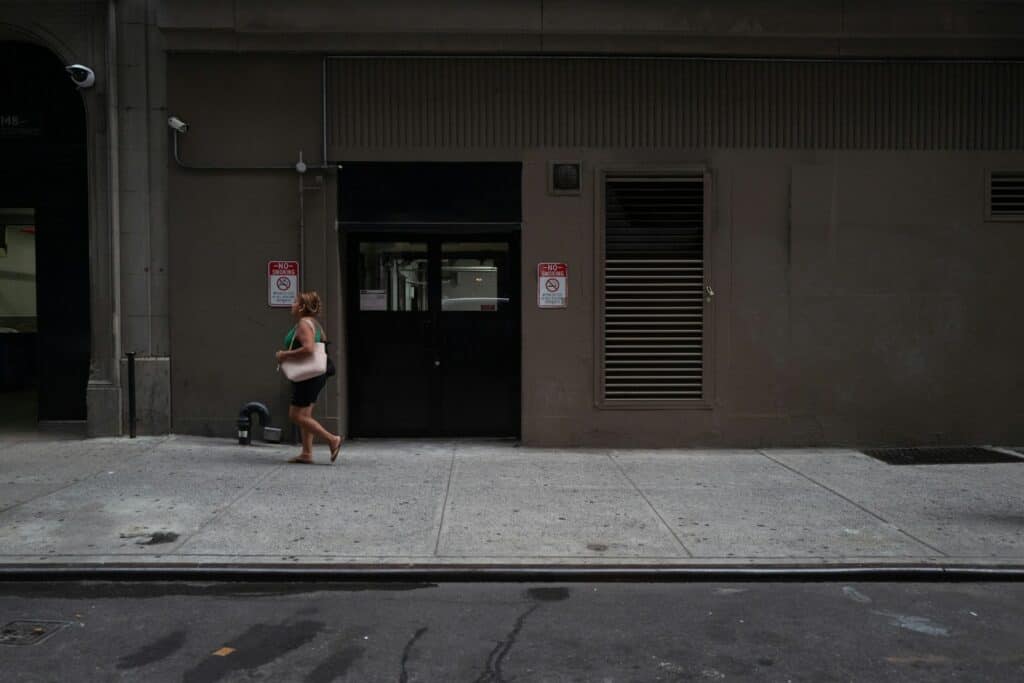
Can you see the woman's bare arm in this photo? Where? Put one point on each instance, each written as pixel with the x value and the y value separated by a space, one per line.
pixel 304 333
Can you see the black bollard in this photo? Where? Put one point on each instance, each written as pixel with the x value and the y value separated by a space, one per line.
pixel 131 394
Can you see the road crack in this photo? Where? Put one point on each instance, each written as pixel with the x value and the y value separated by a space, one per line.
pixel 492 670
pixel 404 676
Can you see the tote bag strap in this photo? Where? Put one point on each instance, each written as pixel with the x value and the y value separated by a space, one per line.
pixel 317 327
pixel 313 325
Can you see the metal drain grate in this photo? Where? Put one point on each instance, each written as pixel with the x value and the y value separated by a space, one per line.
pixel 29 632
pixel 970 455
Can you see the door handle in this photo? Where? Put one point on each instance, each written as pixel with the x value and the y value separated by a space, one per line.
pixel 710 292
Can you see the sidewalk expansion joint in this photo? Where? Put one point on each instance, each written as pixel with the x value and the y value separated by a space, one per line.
pixel 444 505
pixel 93 475
pixel 649 504
pixel 855 504
pixel 219 513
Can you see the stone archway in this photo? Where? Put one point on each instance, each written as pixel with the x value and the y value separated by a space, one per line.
pixel 44 202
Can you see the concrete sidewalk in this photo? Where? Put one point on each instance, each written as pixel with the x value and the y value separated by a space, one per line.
pixel 157 501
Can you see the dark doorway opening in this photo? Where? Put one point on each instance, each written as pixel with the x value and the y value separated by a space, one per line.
pixel 44 265
pixel 433 302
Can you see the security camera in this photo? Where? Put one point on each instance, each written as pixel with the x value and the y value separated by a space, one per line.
pixel 177 124
pixel 82 76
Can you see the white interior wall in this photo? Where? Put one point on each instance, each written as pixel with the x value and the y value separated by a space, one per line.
pixel 18 274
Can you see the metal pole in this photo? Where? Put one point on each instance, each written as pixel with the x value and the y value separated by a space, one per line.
pixel 131 394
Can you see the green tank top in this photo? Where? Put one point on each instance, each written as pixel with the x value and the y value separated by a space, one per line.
pixel 290 337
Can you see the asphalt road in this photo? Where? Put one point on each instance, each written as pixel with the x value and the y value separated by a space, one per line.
pixel 489 632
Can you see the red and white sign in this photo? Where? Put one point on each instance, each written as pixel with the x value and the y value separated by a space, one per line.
pixel 552 285
pixel 282 282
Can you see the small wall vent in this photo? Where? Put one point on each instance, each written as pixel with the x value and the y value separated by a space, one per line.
pixel 564 177
pixel 1006 195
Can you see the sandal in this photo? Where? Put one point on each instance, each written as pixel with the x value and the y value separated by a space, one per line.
pixel 300 460
pixel 336 449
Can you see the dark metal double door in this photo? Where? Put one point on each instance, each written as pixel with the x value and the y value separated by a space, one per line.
pixel 434 335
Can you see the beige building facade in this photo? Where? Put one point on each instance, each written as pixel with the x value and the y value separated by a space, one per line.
pixel 780 225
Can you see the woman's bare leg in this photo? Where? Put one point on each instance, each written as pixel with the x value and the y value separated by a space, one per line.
pixel 295 414
pixel 310 426
pixel 307 442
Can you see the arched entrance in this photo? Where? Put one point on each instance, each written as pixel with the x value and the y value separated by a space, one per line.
pixel 44 241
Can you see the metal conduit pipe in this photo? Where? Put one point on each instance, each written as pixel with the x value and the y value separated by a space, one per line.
pixel 179 127
pixel 299 167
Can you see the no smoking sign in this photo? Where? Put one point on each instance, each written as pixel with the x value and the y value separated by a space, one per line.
pixel 552 285
pixel 282 282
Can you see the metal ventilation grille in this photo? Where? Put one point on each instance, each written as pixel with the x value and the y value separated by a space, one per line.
pixel 1006 194
pixel 653 320
pixel 570 102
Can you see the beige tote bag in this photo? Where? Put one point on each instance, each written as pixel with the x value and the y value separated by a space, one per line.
pixel 308 366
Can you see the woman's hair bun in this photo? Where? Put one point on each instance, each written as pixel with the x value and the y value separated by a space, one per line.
pixel 310 302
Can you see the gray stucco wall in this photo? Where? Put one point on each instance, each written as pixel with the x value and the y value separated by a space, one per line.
pixel 225 226
pixel 861 298
pixel 822 28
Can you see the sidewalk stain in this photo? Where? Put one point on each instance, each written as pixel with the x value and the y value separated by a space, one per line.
pixel 159 538
pixel 151 537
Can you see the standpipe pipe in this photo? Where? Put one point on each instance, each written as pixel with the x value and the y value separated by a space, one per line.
pixel 245 420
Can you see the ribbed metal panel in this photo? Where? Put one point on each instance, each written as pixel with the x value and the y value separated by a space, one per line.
pixel 653 326
pixel 662 103
pixel 1006 194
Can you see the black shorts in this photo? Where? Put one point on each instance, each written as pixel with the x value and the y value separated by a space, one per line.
pixel 304 393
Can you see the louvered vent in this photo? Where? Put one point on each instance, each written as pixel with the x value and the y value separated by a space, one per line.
pixel 508 103
pixel 653 322
pixel 1006 198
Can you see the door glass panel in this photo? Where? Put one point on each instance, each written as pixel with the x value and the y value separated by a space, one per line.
pixel 474 276
pixel 392 276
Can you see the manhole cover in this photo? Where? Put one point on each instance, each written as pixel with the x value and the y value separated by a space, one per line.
pixel 29 632
pixel 970 455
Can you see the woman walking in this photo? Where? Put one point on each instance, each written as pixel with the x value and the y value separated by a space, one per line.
pixel 299 342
